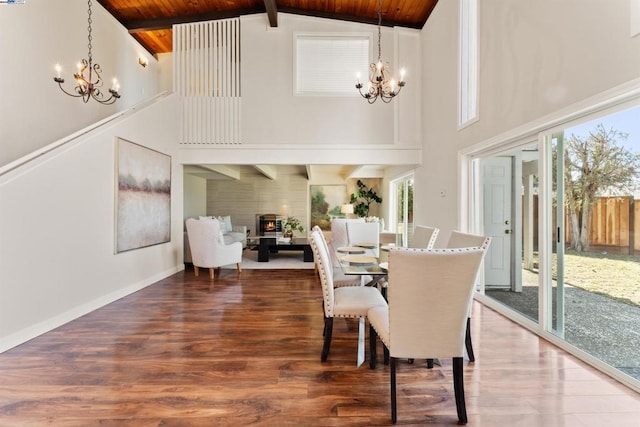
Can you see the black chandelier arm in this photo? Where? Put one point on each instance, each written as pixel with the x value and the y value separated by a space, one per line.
pixel 60 81
pixel 88 92
pixel 86 88
pixel 98 96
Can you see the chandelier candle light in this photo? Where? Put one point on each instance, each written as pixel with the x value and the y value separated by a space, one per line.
pixel 380 85
pixel 87 87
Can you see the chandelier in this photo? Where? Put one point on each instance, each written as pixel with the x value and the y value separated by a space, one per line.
pixel 380 83
pixel 88 85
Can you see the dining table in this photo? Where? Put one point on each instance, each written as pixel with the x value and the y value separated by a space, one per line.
pixel 370 262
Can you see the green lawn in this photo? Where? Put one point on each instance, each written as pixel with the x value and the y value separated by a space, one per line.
pixel 617 276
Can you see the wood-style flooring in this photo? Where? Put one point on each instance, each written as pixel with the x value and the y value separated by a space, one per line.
pixel 248 353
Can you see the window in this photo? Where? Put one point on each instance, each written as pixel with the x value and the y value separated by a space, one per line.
pixel 328 64
pixel 468 84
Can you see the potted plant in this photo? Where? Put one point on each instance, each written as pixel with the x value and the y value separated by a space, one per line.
pixel 362 199
pixel 290 224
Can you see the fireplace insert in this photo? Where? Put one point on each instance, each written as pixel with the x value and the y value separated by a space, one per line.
pixel 269 224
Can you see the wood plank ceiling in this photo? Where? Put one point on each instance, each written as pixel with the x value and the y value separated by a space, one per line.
pixel 150 21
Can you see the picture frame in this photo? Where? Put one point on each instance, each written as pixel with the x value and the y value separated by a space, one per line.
pixel 325 203
pixel 142 196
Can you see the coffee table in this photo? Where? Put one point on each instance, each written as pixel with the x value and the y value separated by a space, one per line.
pixel 269 245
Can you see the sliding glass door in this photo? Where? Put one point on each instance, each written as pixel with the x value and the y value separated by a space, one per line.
pixel 595 298
pixel 565 226
pixel 508 195
pixel 402 209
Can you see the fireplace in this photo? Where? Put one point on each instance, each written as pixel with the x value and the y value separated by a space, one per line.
pixel 269 225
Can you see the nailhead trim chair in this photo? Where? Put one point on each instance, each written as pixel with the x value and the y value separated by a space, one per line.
pixel 347 302
pixel 430 292
pixel 424 236
pixel 458 239
pixel 339 278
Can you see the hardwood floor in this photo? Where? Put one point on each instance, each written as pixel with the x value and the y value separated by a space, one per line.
pixel 174 354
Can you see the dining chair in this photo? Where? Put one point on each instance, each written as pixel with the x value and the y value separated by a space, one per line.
pixel 424 236
pixel 208 249
pixel 339 278
pixel 368 233
pixel 346 302
pixel 458 239
pixel 428 287
pixel 339 237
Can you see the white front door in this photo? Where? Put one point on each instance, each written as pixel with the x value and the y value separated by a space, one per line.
pixel 498 223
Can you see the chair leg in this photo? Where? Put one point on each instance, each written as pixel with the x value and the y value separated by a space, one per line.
pixel 467 342
pixel 212 273
pixel 328 331
pixel 394 412
pixel 196 270
pixel 386 354
pixel 373 340
pixel 239 267
pixel 458 387
pixel 429 363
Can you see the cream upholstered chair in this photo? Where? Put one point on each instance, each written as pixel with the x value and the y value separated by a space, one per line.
pixel 339 278
pixel 459 239
pixel 364 232
pixel 424 236
pixel 431 287
pixel 208 249
pixel 348 302
pixel 339 236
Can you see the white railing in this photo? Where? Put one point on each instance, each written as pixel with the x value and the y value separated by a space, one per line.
pixel 74 137
pixel 206 75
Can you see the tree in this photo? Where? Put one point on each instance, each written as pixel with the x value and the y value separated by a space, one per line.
pixel 592 165
pixel 319 203
pixel 362 199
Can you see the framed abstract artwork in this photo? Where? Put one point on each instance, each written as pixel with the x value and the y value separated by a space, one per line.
pixel 326 201
pixel 143 196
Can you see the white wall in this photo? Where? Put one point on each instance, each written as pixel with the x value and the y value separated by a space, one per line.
pixel 57 258
pixel 195 196
pixel 272 114
pixel 535 58
pixel 36 36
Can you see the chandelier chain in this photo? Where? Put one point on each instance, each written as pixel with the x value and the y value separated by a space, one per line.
pixel 381 84
pixel 379 29
pixel 89 37
pixel 88 77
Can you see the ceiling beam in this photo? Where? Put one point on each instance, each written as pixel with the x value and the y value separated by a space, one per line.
pixel 141 25
pixel 272 12
pixel 268 171
pixel 350 171
pixel 367 171
pixel 223 170
pixel 270 7
pixel 349 18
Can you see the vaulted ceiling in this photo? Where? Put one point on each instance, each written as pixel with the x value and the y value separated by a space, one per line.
pixel 150 21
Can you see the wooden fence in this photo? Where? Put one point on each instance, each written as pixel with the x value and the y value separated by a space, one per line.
pixel 614 226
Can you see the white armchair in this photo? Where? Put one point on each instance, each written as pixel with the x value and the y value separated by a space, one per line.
pixel 208 249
